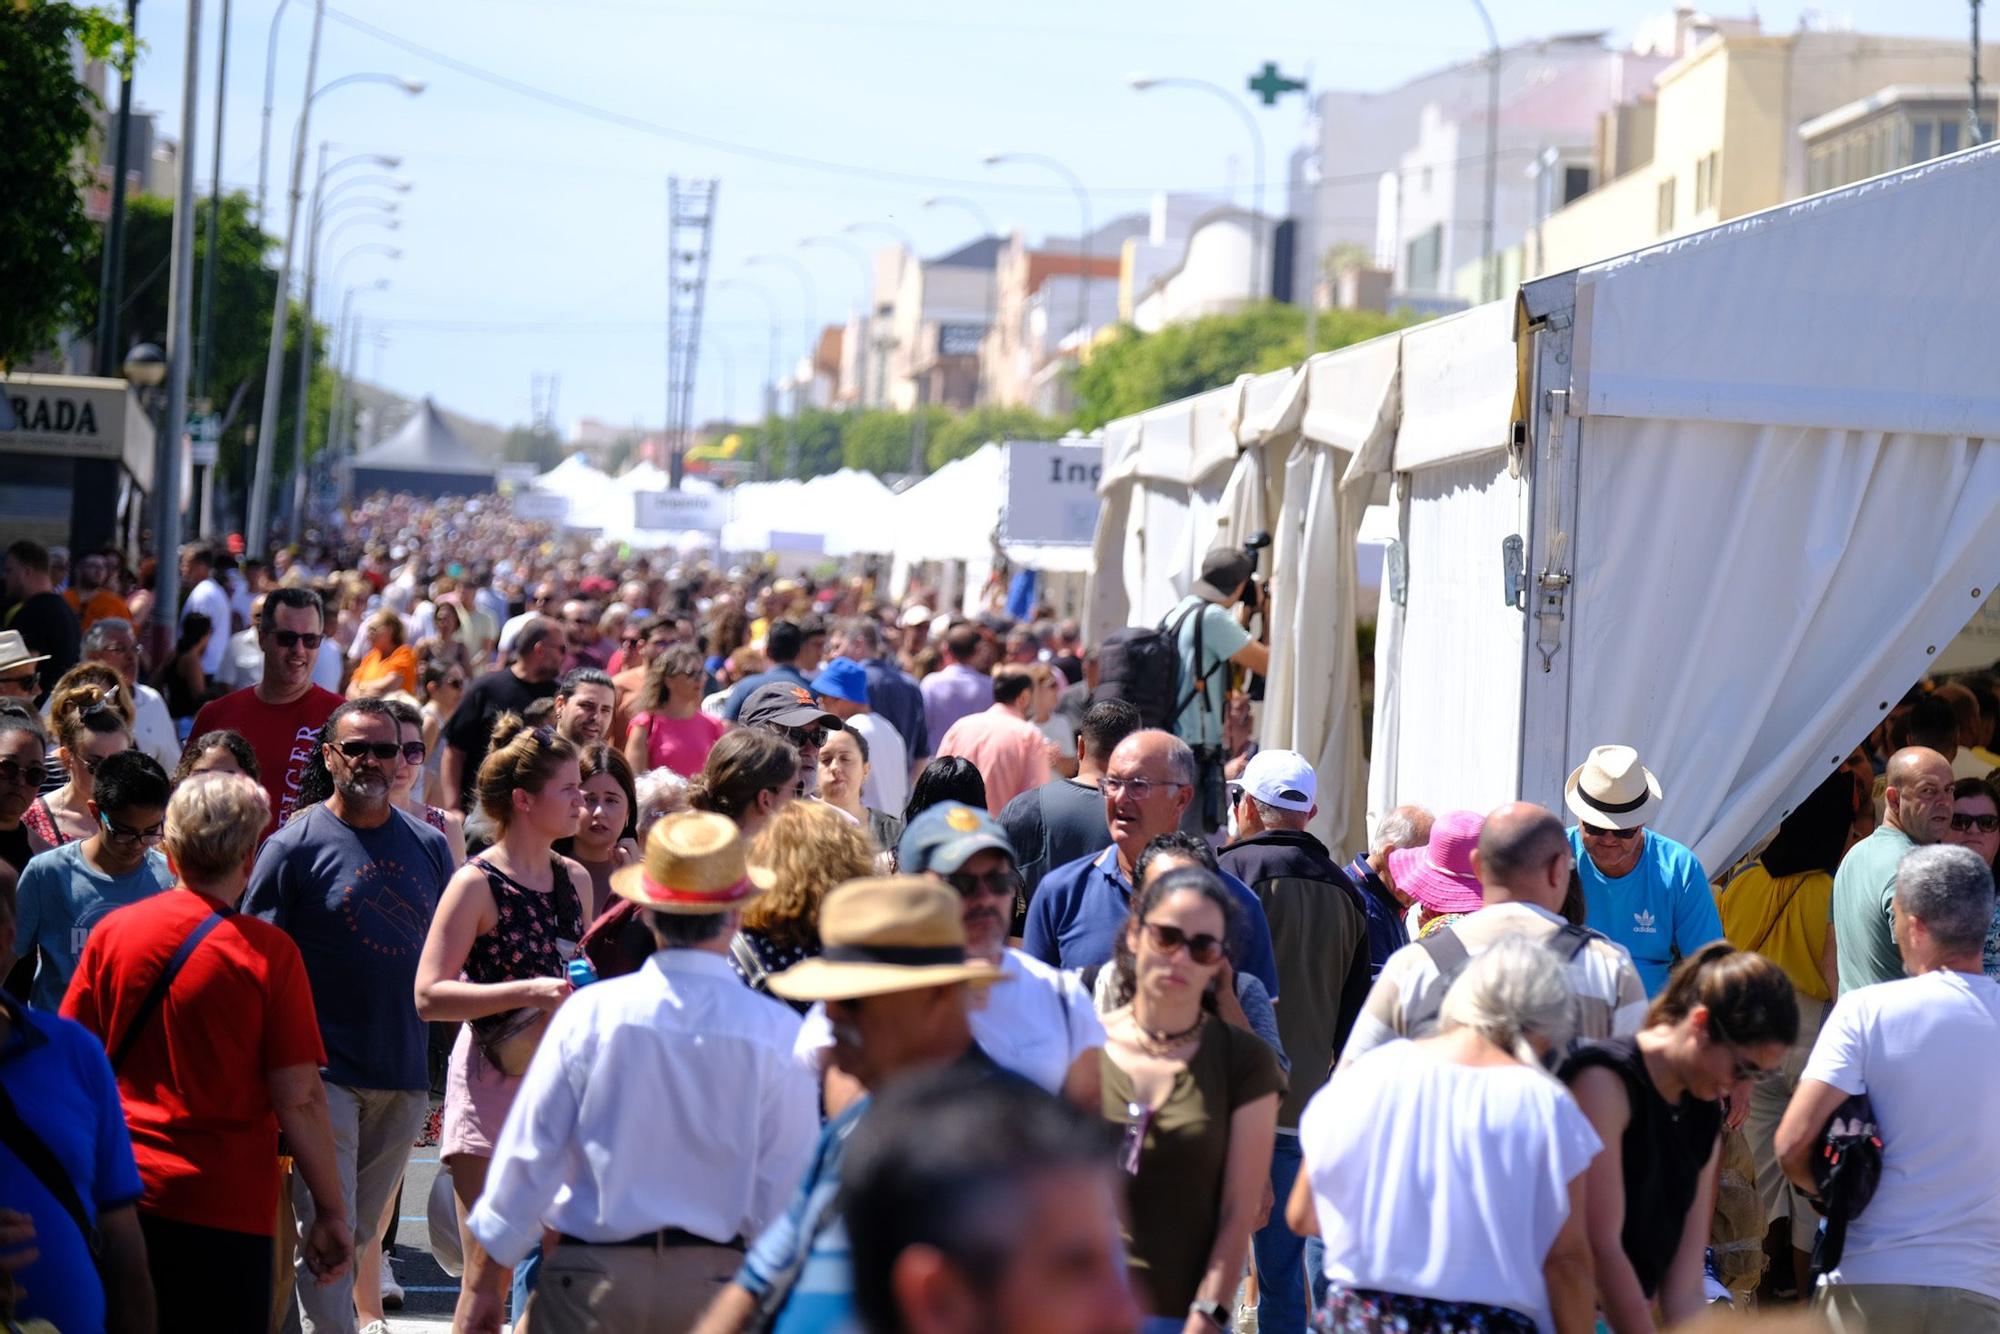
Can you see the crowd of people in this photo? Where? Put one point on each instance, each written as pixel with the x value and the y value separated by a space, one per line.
pixel 766 953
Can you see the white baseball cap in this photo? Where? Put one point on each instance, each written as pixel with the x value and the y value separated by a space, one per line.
pixel 1280 778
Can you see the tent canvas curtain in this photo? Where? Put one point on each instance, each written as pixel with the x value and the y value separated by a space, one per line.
pixel 1750 600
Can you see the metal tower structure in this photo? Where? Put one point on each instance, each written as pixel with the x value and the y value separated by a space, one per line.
pixel 690 218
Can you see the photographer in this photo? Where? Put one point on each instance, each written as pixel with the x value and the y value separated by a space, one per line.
pixel 1211 638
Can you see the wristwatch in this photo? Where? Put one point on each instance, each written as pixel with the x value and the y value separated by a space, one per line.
pixel 1215 1313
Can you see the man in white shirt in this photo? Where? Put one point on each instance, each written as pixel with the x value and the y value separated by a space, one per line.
pixel 1924 1256
pixel 243 663
pixel 209 598
pixel 1523 863
pixel 111 641
pixel 663 1120
pixel 1042 1025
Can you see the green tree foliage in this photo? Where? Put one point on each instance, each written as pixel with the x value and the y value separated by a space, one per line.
pixel 880 441
pixel 241 328
pixel 965 433
pixel 46 159
pixel 533 444
pixel 1135 371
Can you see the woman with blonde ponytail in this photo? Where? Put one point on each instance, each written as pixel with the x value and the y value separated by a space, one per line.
pixel 1445 1176
pixel 90 711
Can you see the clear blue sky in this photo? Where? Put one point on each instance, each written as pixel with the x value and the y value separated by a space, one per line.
pixel 534 237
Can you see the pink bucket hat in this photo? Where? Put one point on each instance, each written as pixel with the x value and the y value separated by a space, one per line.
pixel 1439 875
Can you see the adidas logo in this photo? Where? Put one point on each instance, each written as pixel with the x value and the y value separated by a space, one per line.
pixel 1642 921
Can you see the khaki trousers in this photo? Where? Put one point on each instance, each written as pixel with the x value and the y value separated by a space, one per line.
pixel 628 1289
pixel 1907 1308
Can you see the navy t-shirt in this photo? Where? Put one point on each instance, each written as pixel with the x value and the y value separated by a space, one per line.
pixel 358 903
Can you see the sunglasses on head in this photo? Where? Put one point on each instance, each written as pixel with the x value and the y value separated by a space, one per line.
pixel 384 751
pixel 295 638
pixel 1202 948
pixel 1622 835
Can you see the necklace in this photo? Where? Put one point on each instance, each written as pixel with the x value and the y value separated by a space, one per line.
pixel 1163 1044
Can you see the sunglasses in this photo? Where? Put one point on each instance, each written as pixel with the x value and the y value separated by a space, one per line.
pixel 118 833
pixel 24 685
pixel 1740 1070
pixel 295 638
pixel 1622 835
pixel 1985 824
pixel 806 738
pixel 90 762
pixel 16 774
pixel 384 751
pixel 414 752
pixel 1139 1120
pixel 1202 948
pixel 630 641
pixel 1003 884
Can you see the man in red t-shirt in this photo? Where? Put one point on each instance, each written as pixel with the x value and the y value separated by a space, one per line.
pixel 210 1074
pixel 281 715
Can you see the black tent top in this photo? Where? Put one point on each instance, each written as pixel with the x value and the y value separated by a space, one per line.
pixel 425 444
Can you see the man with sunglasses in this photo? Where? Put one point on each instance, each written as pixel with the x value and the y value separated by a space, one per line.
pixel 281 715
pixel 1640 888
pixel 354 882
pixel 64 892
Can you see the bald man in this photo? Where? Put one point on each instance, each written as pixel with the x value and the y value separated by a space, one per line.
pixel 1523 862
pixel 1972 759
pixel 1917 812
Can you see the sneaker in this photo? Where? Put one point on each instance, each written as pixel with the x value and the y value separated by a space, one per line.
pixel 375 1327
pixel 392 1291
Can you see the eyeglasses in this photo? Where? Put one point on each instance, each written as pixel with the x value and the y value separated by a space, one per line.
pixel 1985 824
pixel 1622 835
pixel 15 774
pixel 90 762
pixel 1140 788
pixel 1740 1070
pixel 384 751
pixel 20 685
pixel 118 833
pixel 295 638
pixel 1202 948
pixel 1000 884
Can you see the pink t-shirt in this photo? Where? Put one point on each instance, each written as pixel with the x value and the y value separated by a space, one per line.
pixel 680 744
pixel 1011 754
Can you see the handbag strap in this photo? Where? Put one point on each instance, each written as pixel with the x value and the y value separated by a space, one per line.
pixel 158 994
pixel 39 1158
pixel 1798 883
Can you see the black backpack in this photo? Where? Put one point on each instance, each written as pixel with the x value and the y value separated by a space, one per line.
pixel 1143 667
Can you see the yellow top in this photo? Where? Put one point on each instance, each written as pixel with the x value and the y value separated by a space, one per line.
pixel 1784 920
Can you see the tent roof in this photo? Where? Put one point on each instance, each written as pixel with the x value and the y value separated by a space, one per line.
pixel 425 444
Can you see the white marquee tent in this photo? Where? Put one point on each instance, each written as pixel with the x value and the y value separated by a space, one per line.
pixel 1722 499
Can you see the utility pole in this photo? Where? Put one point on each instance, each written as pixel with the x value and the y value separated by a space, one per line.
pixel 111 273
pixel 690 222
pixel 1974 131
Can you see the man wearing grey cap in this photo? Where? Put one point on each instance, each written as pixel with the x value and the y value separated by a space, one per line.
pixel 1211 638
pixel 794 713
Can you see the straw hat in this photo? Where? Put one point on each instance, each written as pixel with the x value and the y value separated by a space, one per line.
pixel 14 651
pixel 1439 874
pixel 1612 790
pixel 884 935
pixel 694 863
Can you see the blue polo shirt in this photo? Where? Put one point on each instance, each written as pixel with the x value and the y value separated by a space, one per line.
pixel 1661 910
pixel 61 1085
pixel 1079 909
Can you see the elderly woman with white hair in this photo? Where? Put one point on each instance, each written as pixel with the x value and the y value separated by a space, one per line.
pixel 1445 1175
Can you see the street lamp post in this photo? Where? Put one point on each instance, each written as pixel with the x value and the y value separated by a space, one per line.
pixel 274 366
pixel 180 356
pixel 799 385
pixel 1488 277
pixel 270 73
pixel 205 340
pixel 908 244
pixel 867 307
pixel 771 309
pixel 1142 83
pixel 336 408
pixel 377 214
pixel 111 271
pixel 1083 208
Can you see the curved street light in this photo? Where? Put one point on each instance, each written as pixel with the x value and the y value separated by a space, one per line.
pixel 867 269
pixel 1144 83
pixel 1083 207
pixel 258 529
